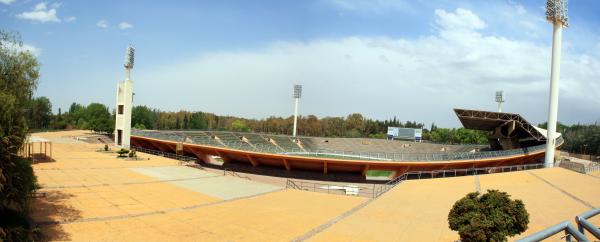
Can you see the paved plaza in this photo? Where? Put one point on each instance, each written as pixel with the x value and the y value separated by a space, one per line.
pixel 89 195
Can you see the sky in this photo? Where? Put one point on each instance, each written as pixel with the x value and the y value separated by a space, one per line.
pixel 415 60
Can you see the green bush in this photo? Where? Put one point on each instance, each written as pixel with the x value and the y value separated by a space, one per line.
pixel 122 152
pixel 19 186
pixel 132 154
pixel 19 71
pixel 490 217
pixel 14 226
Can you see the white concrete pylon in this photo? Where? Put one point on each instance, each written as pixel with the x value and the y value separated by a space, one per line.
pixel 125 103
pixel 296 116
pixel 553 102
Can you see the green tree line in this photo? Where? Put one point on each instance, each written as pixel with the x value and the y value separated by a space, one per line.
pixel 583 139
pixel 19 72
pixel 579 138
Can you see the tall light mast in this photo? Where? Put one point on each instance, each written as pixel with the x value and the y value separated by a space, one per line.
pixel 297 94
pixel 125 103
pixel 499 100
pixel 556 13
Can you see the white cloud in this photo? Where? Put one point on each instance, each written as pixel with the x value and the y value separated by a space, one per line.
pixel 125 25
pixel 40 14
pixel 70 19
pixel 7 2
pixel 102 24
pixel 22 48
pixel 418 78
pixel 461 19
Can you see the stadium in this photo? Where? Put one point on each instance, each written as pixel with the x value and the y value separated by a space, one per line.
pixel 196 184
pixel 514 142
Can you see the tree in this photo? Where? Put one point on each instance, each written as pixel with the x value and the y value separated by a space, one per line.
pixel 142 115
pixel 99 118
pixel 239 125
pixel 19 72
pixel 40 113
pixel 492 216
pixel 76 114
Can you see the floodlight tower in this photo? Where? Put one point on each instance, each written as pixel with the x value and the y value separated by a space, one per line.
pixel 499 100
pixel 297 94
pixel 556 13
pixel 124 103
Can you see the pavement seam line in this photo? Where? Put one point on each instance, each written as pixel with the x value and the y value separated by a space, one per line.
pixel 128 183
pixel 562 191
pixel 333 221
pixel 100 168
pixel 126 216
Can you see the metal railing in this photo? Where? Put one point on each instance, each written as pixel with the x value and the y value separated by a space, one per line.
pixel 355 155
pixel 165 154
pixel 592 167
pixel 580 167
pixel 570 231
pixel 364 190
pixel 234 174
pixel 583 224
pixel 565 226
pixel 376 190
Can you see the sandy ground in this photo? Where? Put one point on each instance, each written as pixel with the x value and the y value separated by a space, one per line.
pixel 88 195
pixel 417 210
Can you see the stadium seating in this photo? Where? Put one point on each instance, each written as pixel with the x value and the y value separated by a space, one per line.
pixel 286 143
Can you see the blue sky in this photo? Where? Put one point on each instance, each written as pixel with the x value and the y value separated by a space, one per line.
pixel 411 59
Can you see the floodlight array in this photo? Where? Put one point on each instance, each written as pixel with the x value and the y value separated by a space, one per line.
pixel 129 57
pixel 297 91
pixel 556 12
pixel 500 96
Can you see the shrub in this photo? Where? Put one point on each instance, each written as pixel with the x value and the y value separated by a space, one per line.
pixel 17 190
pixel 132 153
pixel 490 217
pixel 105 147
pixel 14 226
pixel 122 152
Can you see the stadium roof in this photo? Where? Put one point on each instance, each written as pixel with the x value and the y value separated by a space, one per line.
pixel 489 121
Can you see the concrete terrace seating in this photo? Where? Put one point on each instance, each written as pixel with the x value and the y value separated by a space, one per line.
pixel 379 145
pixel 308 143
pixel 258 141
pixel 286 143
pixel 232 140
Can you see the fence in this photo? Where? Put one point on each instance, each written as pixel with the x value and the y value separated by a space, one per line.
pixel 165 154
pixel 376 190
pixel 177 137
pixel 580 167
pixel 364 190
pixel 234 174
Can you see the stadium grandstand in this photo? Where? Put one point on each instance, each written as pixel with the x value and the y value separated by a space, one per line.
pixel 513 141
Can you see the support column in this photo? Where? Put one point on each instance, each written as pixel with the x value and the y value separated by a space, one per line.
pixel 295 116
pixel 287 165
pixel 252 161
pixel 553 104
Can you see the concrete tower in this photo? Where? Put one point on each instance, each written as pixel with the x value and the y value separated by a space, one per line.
pixel 556 13
pixel 297 94
pixel 124 103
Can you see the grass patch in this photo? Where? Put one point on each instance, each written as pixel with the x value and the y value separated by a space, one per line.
pixel 379 173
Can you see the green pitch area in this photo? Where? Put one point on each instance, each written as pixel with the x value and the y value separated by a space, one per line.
pixel 379 173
